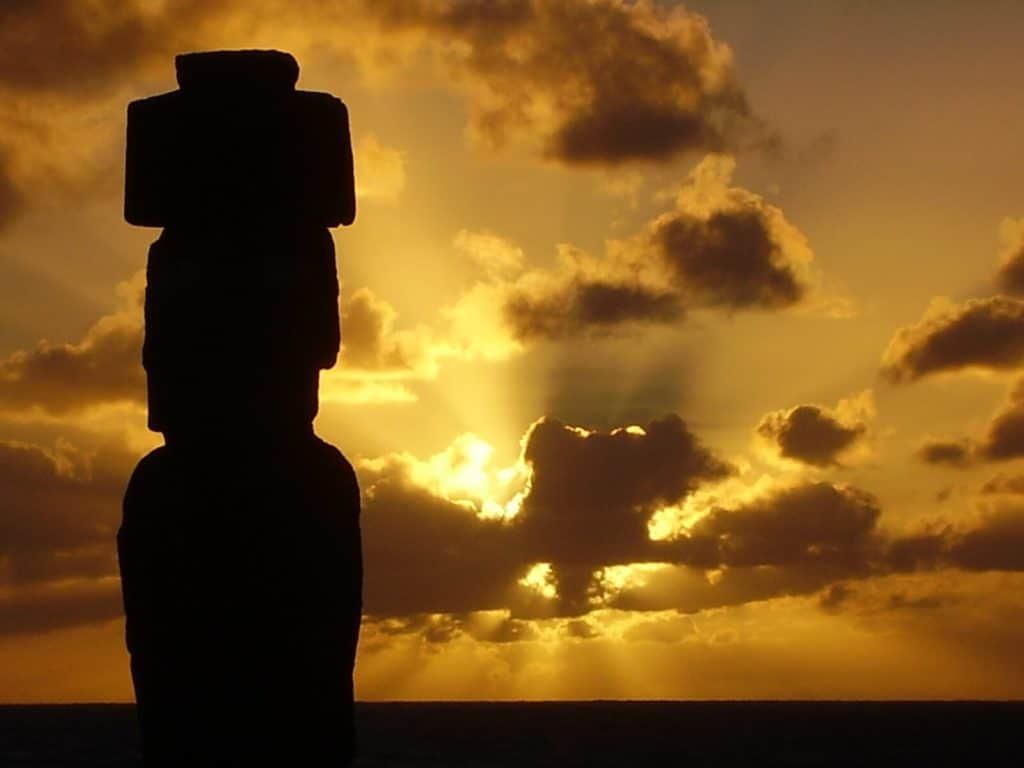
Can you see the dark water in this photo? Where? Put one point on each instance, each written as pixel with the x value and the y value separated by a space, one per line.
pixel 589 734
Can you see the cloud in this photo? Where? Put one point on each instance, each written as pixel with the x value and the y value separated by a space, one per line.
pixel 583 298
pixel 726 247
pixel 62 64
pixel 950 452
pixel 369 340
pixel 580 82
pixel 59 512
pixel 1004 437
pixel 815 522
pixel 452 533
pixel 996 543
pixel 570 529
pixel 1002 440
pixel 992 539
pixel 70 47
pixel 425 553
pixel 1010 275
pixel 578 524
pixel 597 83
pixel 720 247
pixel 104 367
pixel 982 334
pixel 818 435
pixel 377 360
pixel 46 607
pixel 592 492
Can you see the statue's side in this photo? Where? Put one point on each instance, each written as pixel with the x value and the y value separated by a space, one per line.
pixel 240 553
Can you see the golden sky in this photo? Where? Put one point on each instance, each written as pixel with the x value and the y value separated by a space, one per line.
pixel 765 260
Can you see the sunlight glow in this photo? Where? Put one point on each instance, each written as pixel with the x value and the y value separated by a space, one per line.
pixel 541 579
pixel 615 579
pixel 462 473
pixel 676 520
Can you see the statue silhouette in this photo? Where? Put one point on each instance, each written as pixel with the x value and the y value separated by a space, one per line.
pixel 239 549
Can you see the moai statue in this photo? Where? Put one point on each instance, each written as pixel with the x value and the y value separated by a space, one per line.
pixel 239 548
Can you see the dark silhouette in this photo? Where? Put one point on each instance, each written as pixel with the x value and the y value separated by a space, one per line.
pixel 240 551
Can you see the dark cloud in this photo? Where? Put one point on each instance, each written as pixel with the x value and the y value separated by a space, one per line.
pixel 590 496
pixel 730 259
pixel 810 523
pixel 995 544
pixel 720 247
pixel 992 542
pixel 1002 440
pixel 1010 275
pixel 1004 436
pixel 813 434
pixel 62 62
pixel 921 551
pixel 59 511
pixel 956 452
pixel 426 554
pixel 77 48
pixel 981 333
pixel 584 83
pixel 593 82
pixel 581 541
pixel 585 306
pixel 591 493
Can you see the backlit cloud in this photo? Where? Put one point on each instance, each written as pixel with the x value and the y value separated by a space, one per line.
pixel 452 533
pixel 980 334
pixel 818 435
pixel 1010 275
pixel 600 82
pixel 720 247
pixel 580 82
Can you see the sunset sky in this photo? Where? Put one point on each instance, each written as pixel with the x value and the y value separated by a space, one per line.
pixel 682 344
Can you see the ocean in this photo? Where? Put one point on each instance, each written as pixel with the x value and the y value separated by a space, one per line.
pixel 598 734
